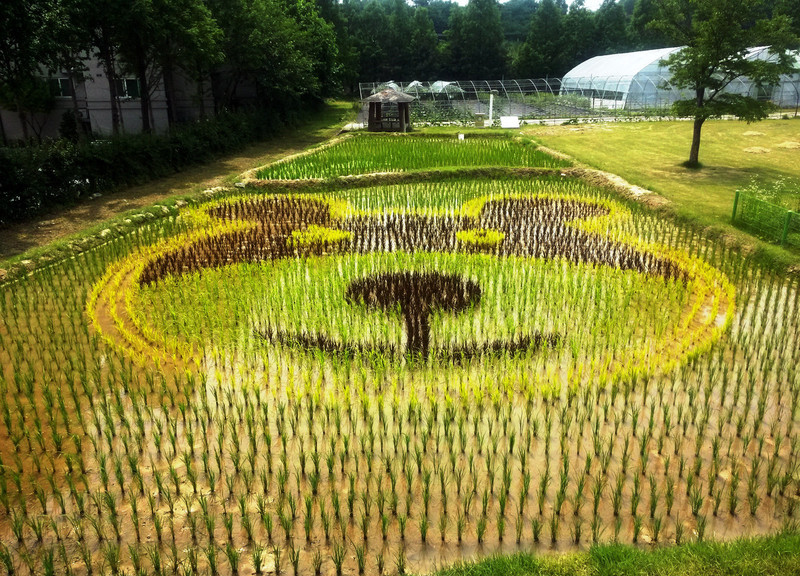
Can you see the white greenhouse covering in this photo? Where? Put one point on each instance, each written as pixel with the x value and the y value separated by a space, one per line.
pixel 635 80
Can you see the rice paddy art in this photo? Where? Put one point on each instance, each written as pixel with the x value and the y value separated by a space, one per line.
pixel 388 377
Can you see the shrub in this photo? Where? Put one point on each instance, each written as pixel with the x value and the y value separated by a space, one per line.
pixel 36 178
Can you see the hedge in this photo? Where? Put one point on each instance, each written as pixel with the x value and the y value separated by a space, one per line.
pixel 36 178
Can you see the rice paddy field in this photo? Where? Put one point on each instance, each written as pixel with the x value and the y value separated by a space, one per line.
pixel 344 378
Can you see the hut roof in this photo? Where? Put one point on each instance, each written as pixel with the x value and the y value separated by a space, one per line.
pixel 390 95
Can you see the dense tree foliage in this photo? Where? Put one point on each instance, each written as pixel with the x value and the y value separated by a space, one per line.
pixel 282 53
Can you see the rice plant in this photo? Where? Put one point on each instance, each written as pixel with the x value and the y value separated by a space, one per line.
pixel 205 395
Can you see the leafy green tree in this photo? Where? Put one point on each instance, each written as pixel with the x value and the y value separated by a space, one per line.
pixel 265 51
pixel 543 53
pixel 103 21
pixel 316 39
pixel 643 36
pixel 477 49
pixel 716 35
pixel 184 37
pixel 611 28
pixel 791 9
pixel 578 32
pixel 516 17
pixel 440 11
pixel 425 54
pixel 26 30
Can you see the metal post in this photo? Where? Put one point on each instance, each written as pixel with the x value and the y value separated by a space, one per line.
pixel 735 204
pixel 786 227
pixel 491 107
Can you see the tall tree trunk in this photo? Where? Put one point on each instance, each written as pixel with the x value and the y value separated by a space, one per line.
pixel 23 120
pixel 107 58
pixel 3 131
pixel 144 87
pixel 699 118
pixel 76 110
pixel 694 153
pixel 201 96
pixel 169 89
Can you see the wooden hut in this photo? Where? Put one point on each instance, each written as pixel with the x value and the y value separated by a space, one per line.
pixel 389 111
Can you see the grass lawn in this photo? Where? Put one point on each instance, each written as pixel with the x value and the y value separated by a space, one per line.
pixel 779 554
pixel 650 154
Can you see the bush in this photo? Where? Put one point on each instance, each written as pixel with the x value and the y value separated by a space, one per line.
pixel 36 178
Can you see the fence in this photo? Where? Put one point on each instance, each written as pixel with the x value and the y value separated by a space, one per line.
pixel 773 222
pixel 562 99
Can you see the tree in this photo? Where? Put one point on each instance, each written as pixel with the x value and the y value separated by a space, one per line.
pixel 611 28
pixel 542 55
pixel 476 41
pixel 579 31
pixel 263 56
pixel 26 27
pixel 716 35
pixel 184 36
pixel 644 36
pixel 425 46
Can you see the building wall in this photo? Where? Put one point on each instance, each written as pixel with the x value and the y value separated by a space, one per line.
pixel 94 105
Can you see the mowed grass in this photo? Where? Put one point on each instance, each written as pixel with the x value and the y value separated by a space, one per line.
pixel 779 554
pixel 651 155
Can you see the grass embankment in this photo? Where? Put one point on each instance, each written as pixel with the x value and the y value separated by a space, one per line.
pixel 651 155
pixel 778 554
pixel 52 235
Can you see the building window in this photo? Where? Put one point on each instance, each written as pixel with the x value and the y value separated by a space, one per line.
pixel 128 88
pixel 60 87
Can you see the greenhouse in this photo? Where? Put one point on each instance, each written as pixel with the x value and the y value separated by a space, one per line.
pixel 636 81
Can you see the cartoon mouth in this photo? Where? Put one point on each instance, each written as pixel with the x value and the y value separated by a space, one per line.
pixel 417 296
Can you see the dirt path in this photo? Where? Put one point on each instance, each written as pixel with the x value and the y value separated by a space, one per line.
pixel 20 238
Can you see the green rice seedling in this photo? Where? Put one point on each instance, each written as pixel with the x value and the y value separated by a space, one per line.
pixel 258 559
pixel 294 558
pixel 656 527
pixel 701 528
pixel 6 560
pixel 597 528
pixel 554 527
pixel 679 529
pixel 733 489
pixel 637 528
pixel 696 500
pixel 616 495
pixel 400 561
pixel 36 525
pixel 361 557
pixel 111 556
pixel 276 558
pixel 154 554
pixel 316 562
pixel 379 562
pixel 364 525
pixel 227 522
pixel 669 495
pixel 338 553
pixel 480 528
pixel 423 527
